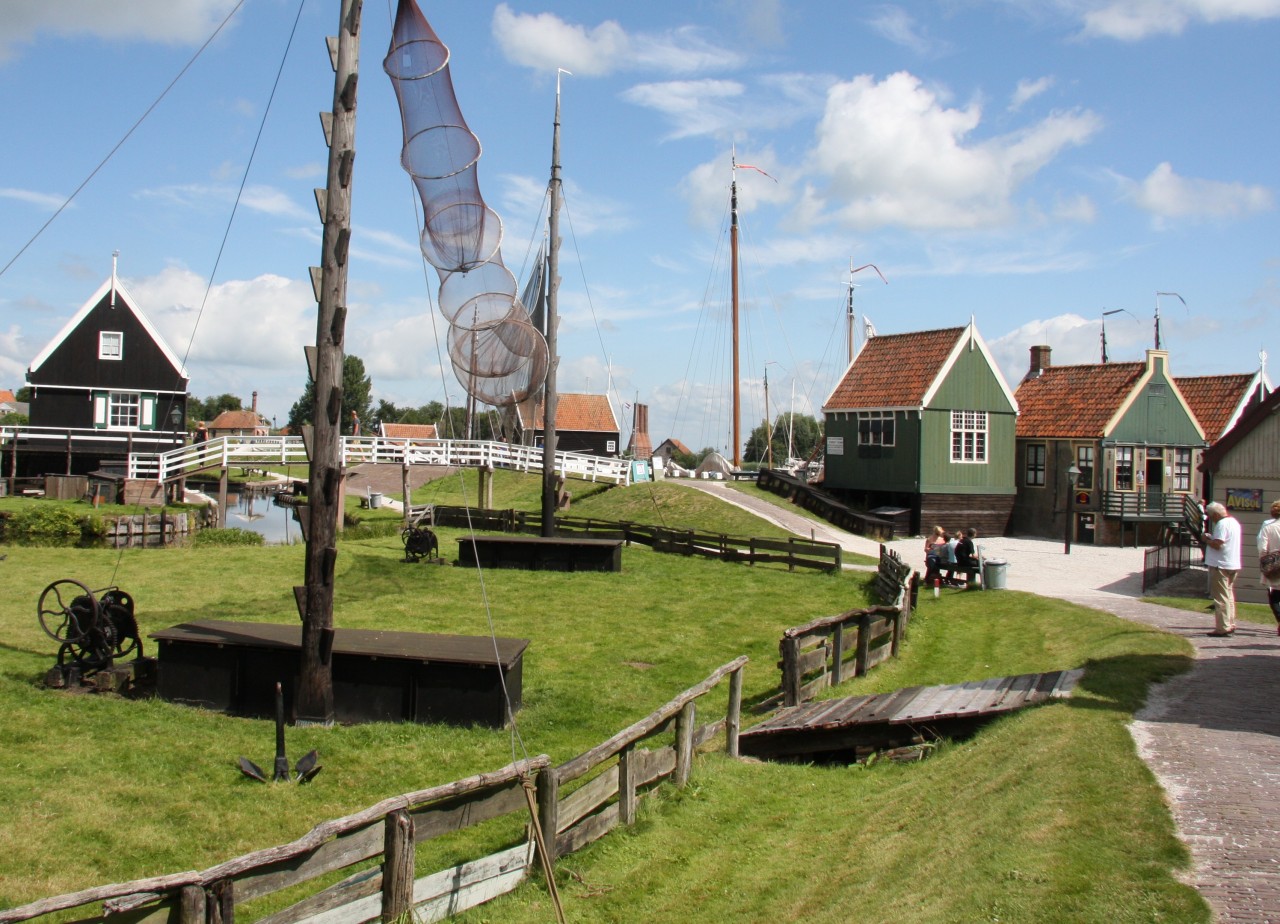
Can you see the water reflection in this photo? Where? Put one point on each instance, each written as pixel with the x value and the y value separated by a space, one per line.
pixel 261 513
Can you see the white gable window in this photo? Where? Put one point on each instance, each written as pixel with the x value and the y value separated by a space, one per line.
pixel 875 428
pixel 110 344
pixel 969 436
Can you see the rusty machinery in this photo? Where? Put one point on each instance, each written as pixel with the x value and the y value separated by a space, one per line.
pixel 93 628
pixel 419 542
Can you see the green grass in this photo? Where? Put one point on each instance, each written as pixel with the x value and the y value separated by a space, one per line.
pixel 1259 613
pixel 1046 815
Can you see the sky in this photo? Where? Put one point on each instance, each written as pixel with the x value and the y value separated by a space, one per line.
pixel 1029 165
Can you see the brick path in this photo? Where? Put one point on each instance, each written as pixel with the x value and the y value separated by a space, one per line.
pixel 1211 736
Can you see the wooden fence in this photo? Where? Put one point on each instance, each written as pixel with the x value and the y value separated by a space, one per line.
pixel 389 832
pixel 814 655
pixel 824 505
pixel 793 552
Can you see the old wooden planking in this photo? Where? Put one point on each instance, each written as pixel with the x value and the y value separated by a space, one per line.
pixel 357 886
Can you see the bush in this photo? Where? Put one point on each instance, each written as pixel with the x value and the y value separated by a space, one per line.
pixel 232 536
pixel 42 524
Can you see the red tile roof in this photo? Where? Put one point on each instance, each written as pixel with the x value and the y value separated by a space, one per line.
pixel 239 420
pixel 676 445
pixel 398 431
pixel 1214 399
pixel 894 370
pixel 1074 401
pixel 6 396
pixel 589 413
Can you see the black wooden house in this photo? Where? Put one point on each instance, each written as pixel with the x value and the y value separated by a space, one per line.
pixel 105 387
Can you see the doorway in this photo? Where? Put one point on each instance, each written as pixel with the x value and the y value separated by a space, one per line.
pixel 1155 480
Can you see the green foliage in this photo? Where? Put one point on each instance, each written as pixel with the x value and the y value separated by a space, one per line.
pixel 209 408
pixel 14 419
pixel 806 433
pixel 44 525
pixel 356 389
pixel 226 537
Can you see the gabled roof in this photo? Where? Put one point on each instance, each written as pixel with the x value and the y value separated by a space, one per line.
pixel 906 370
pixel 676 445
pixel 1074 401
pixel 238 420
pixel 122 298
pixel 399 431
pixel 1218 401
pixel 1249 421
pixel 586 413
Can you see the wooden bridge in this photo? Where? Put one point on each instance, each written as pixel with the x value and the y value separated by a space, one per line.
pixel 226 451
pixel 856 726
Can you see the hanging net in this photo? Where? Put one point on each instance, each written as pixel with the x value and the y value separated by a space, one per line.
pixel 497 353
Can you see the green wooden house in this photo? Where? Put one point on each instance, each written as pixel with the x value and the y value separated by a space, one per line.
pixel 924 423
pixel 1132 437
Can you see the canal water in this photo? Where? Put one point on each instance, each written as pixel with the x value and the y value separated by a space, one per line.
pixel 257 511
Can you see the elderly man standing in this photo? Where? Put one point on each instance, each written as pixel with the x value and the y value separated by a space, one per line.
pixel 1222 556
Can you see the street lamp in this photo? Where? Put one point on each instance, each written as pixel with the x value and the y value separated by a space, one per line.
pixel 1073 475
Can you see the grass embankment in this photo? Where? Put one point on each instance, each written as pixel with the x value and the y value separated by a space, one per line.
pixel 1047 815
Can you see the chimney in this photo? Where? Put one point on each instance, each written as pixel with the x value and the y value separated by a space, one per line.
pixel 254 408
pixel 1039 361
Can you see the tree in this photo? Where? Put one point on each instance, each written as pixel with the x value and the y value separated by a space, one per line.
pixel 356 388
pixel 209 408
pixel 805 431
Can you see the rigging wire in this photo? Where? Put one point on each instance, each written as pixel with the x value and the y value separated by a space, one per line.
pixel 102 163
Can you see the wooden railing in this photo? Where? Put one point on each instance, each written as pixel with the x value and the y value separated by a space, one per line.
pixel 1132 505
pixel 814 655
pixel 226 451
pixel 794 552
pixel 824 505
pixel 389 832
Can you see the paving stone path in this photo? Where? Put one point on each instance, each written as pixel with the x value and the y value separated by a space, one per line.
pixel 1211 736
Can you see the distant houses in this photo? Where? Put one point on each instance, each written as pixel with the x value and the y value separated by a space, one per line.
pixel 584 423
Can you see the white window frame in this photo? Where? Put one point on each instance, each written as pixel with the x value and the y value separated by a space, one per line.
pixel 124 410
pixel 110 345
pixel 1085 454
pixel 1182 469
pixel 969 437
pixel 883 435
pixel 1126 460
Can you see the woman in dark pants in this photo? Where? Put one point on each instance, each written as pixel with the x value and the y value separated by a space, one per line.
pixel 1269 541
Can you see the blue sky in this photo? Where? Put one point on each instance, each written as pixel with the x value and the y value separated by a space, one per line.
pixel 1029 164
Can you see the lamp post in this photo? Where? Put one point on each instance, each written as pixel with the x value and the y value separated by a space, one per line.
pixel 1073 475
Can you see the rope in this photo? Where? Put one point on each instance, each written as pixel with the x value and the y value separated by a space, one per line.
pixel 548 870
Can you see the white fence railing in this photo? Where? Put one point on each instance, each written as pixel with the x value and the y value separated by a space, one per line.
pixel 256 451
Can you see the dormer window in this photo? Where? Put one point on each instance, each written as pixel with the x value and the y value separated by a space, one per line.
pixel 110 344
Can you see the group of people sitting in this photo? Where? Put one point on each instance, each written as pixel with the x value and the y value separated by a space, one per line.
pixel 946 556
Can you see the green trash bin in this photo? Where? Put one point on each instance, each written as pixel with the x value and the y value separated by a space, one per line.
pixel 994 574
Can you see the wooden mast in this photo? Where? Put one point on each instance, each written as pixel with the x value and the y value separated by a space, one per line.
pixel 314 700
pixel 733 270
pixel 550 490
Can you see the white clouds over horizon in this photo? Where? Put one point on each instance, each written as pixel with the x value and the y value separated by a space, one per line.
pixel 544 42
pixel 894 154
pixel 1133 20
pixel 165 21
pixel 1168 196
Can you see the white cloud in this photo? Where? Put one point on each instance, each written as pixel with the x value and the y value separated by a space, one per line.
pixel 1028 90
pixel 168 21
pixel 1168 196
pixel 1073 339
pixel 42 200
pixel 894 154
pixel 265 199
pixel 729 108
pixel 544 41
pixel 1131 20
pixel 898 26
pixel 706 187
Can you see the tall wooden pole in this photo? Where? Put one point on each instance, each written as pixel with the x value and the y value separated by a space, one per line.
pixel 314 700
pixel 733 270
pixel 550 491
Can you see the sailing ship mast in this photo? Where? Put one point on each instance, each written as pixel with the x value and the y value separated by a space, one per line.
pixel 733 270
pixel 849 310
pixel 550 490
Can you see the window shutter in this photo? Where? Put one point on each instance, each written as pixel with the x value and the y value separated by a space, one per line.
pixel 147 413
pixel 99 410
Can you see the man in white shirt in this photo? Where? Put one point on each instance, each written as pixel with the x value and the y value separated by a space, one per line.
pixel 1222 557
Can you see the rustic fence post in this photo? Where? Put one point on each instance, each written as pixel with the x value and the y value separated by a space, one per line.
pixel 864 644
pixel 397 866
pixel 684 742
pixel 790 671
pixel 627 785
pixel 220 902
pixel 191 905
pixel 837 662
pixel 549 810
pixel 733 719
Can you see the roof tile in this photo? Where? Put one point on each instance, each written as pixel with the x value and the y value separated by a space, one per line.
pixel 1214 399
pixel 894 370
pixel 1074 401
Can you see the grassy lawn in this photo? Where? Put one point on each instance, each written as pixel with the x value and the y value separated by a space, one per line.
pixel 1045 815
pixel 1258 613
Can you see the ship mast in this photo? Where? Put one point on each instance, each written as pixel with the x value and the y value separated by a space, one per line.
pixel 733 269
pixel 550 490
